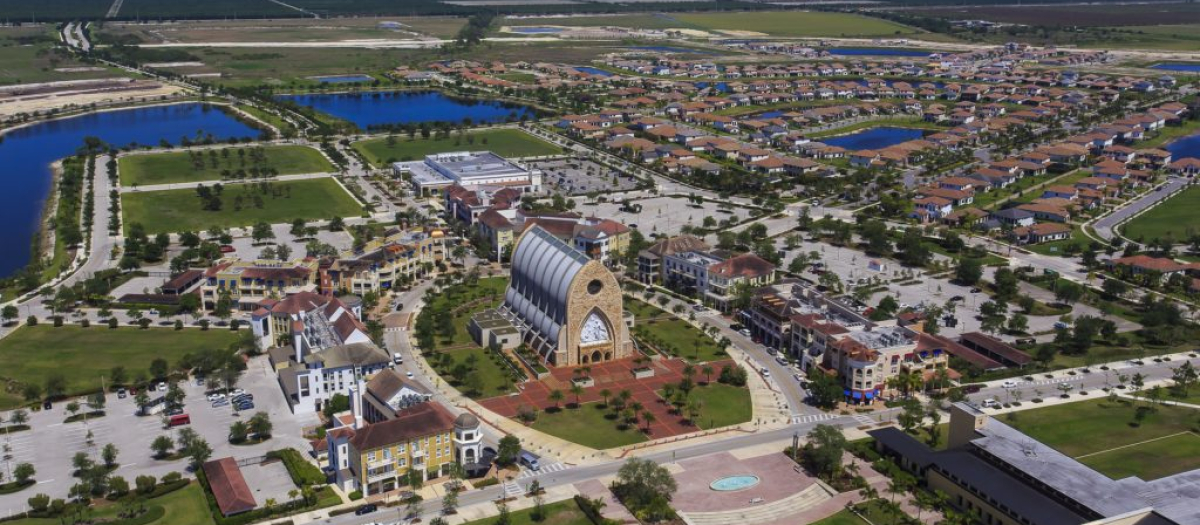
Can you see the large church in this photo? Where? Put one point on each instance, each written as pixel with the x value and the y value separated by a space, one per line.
pixel 561 304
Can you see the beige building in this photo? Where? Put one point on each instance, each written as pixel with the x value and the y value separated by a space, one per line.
pixel 566 306
pixel 249 282
pixel 385 263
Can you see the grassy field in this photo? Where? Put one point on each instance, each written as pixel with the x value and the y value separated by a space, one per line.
pixel 82 355
pixel 182 210
pixel 27 54
pixel 561 513
pixel 873 510
pixel 277 30
pixel 494 378
pixel 184 166
pixel 185 506
pixel 795 23
pixel 461 295
pixel 504 142
pixel 641 21
pixel 587 425
pixel 672 334
pixel 284 66
pixel 722 405
pixel 1102 435
pixel 1174 218
pixel 1109 15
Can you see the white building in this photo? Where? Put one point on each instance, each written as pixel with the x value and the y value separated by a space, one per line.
pixel 468 168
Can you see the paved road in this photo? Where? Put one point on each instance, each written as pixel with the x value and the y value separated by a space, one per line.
pixel 1106 226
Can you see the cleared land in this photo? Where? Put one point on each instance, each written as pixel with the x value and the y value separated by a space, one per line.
pixel 293 66
pixel 286 30
pixel 272 202
pixel 1072 15
pixel 215 165
pixel 1173 218
pixel 796 23
pixel 1103 436
pixel 646 21
pixel 81 355
pixel 505 142
pixel 27 54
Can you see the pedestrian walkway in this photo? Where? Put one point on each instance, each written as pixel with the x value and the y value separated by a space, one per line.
pixel 758 512
pixel 545 469
pixel 811 418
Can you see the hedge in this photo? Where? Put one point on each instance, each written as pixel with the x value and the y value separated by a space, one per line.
pixel 12 487
pixel 592 511
pixel 302 472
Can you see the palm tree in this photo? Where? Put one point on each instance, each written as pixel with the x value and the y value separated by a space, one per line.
pixel 576 391
pixel 648 418
pixel 707 370
pixel 605 394
pixel 556 396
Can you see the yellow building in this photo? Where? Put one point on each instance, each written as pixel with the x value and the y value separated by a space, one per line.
pixel 380 455
pixel 385 263
pixel 248 282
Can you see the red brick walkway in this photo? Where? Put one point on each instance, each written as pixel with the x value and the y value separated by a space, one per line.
pixel 614 376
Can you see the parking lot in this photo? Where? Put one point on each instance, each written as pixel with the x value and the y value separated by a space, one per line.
pixel 663 215
pixel 579 177
pixel 51 444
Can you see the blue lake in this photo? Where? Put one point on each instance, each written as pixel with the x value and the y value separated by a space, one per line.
pixel 344 79
pixel 1188 146
pixel 877 51
pixel 26 154
pixel 367 110
pixel 531 30
pixel 1192 68
pixel 874 138
pixel 593 71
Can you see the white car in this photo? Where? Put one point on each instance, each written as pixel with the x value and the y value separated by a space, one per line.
pixel 990 403
pixel 1009 383
pixel 216 396
pixel 409 374
pixel 237 392
pixel 765 372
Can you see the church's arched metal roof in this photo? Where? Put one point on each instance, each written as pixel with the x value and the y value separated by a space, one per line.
pixel 542 270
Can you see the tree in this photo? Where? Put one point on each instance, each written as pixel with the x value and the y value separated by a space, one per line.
pixel 23 473
pixel 238 432
pixel 509 449
pixel 162 446
pixel 117 487
pixel 1184 377
pixel 1115 288
pixel 1067 292
pixel 646 488
pixel 556 396
pixel 109 455
pixel 1007 284
pixel 158 369
pixel 969 271
pixel 9 313
pixel 260 425
pixel 1018 323
pixel 262 231
pixel 197 451
pixel 824 450
pixel 56 385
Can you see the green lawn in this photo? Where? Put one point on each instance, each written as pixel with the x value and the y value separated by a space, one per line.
pixel 561 513
pixel 796 23
pixel 588 426
pixel 1153 460
pixel 672 335
pixel 875 511
pixel 215 165
pixel 503 142
pixel 491 288
pixel 1090 427
pixel 182 210
pixel 28 54
pixel 722 405
pixel 1173 217
pixel 82 355
pixel 185 506
pixel 494 376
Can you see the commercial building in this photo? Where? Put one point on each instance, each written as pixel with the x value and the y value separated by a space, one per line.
pixel 1006 477
pixel 650 268
pixel 376 458
pixel 465 168
pixel 566 307
pixel 246 283
pixel 396 259
pixel 712 276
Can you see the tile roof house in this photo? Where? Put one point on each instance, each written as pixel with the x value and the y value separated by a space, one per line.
pixel 228 486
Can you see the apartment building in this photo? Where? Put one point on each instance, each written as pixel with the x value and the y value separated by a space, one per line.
pixel 246 283
pixel 397 258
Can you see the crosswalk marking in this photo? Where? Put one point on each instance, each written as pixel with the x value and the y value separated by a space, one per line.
pixel 546 469
pixel 811 418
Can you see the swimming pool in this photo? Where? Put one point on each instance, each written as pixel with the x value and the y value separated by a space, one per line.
pixel 732 483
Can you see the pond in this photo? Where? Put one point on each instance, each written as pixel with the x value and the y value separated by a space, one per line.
pixel 369 110
pixel 1190 68
pixel 343 79
pixel 877 51
pixel 593 71
pixel 1184 147
pixel 26 154
pixel 874 138
pixel 733 483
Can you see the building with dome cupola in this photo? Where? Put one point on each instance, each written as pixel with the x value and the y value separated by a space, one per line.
pixel 561 304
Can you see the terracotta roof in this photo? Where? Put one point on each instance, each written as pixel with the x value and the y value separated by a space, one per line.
pixel 744 265
pixel 228 486
pixel 421 420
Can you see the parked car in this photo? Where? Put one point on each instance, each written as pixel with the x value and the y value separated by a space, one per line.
pixel 765 372
pixel 122 393
pixel 529 460
pixel 990 403
pixel 220 403
pixel 1009 383
pixel 215 396
pixel 365 509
